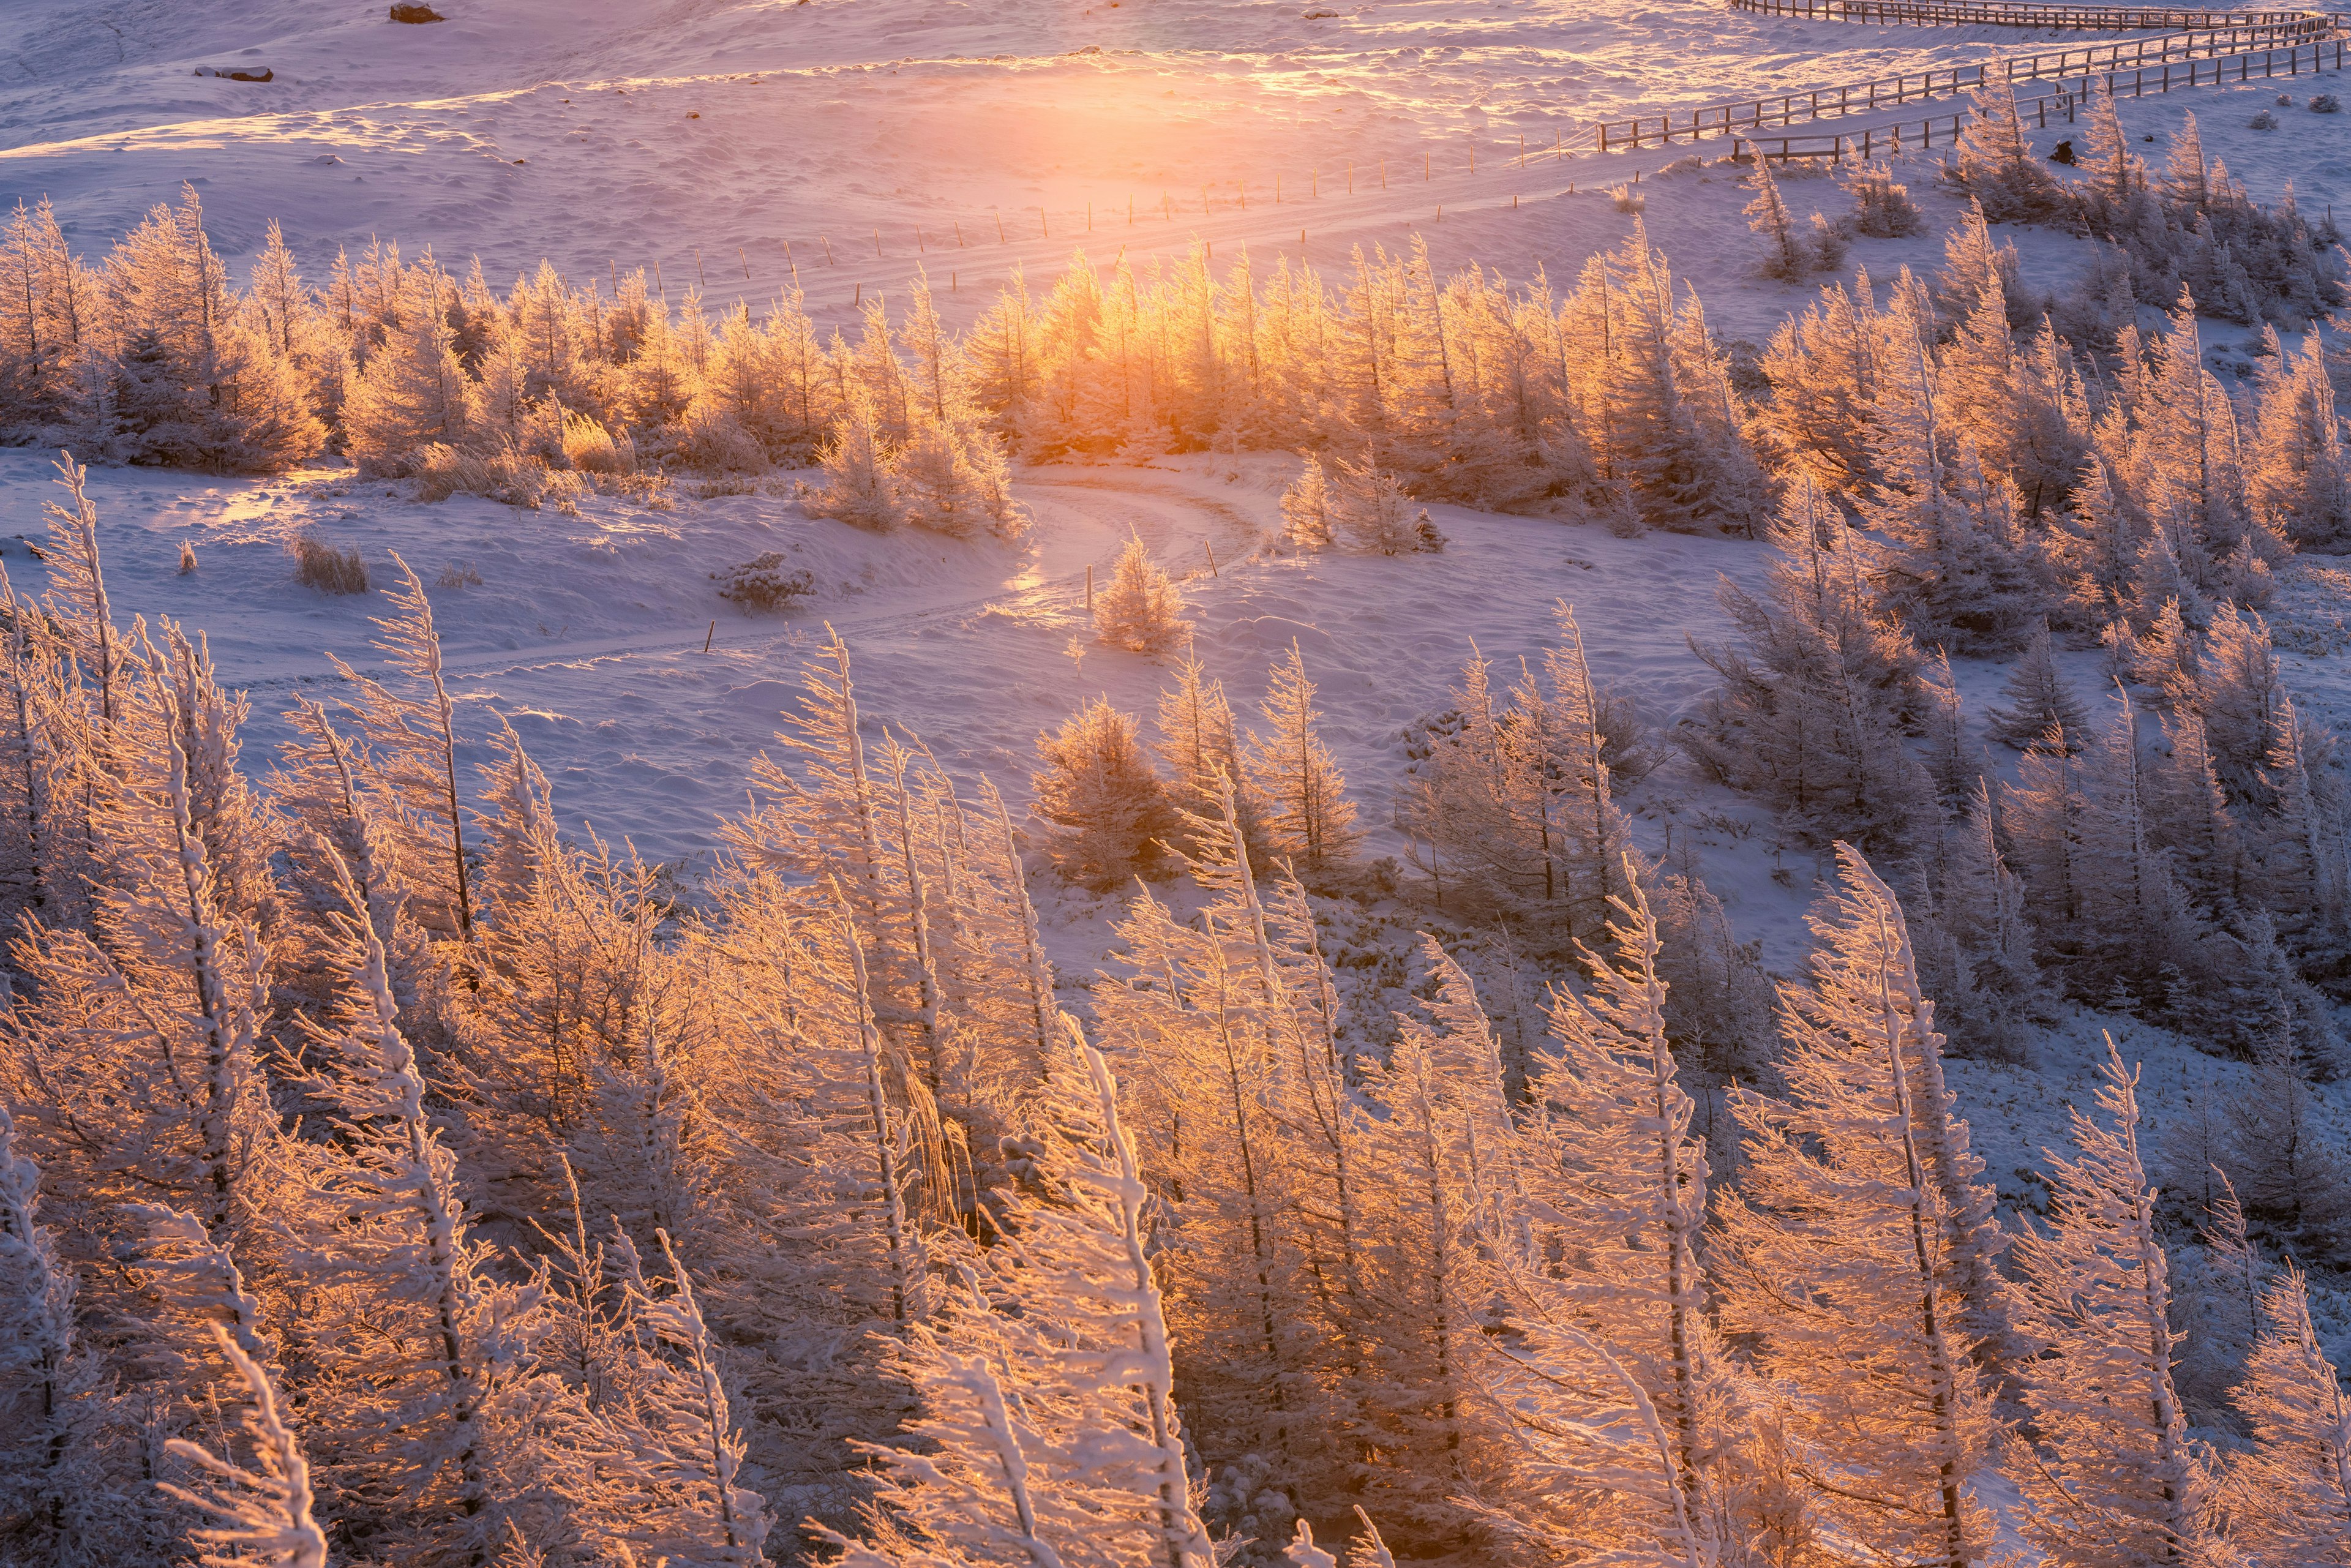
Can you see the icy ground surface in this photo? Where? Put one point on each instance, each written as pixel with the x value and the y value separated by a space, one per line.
pixel 703 137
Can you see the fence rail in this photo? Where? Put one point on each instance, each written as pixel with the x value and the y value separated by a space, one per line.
pixel 2025 14
pixel 1836 146
pixel 2258 48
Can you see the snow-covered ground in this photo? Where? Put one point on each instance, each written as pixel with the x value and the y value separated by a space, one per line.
pixel 704 136
pixel 734 143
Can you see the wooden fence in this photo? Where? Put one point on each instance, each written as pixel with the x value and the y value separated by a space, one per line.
pixel 2025 13
pixel 2123 59
pixel 2066 105
pixel 2259 43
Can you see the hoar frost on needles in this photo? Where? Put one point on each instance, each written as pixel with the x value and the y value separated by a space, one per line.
pixel 2111 1476
pixel 1860 1247
pixel 1046 1380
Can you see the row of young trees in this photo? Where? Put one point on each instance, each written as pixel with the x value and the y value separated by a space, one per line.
pixel 1614 395
pixel 1464 387
pixel 390 1178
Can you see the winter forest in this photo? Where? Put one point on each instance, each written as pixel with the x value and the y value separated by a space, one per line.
pixel 1661 878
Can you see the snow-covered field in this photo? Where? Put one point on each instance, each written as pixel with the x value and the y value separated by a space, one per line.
pixel 705 137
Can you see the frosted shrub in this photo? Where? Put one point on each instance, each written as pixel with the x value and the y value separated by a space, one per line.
pixel 1627 199
pixel 320 565
pixel 1997 166
pixel 1306 507
pixel 445 471
pixel 1767 215
pixel 1790 253
pixel 1142 609
pixel 2325 103
pixel 764 584
pixel 187 558
pixel 509 475
pixel 2263 120
pixel 1827 244
pixel 717 443
pixel 1099 791
pixel 592 449
pixel 457 574
pixel 1882 207
pixel 1371 510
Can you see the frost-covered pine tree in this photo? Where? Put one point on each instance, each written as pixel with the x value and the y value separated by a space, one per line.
pixel 1200 745
pixel 2238 693
pixel 824 820
pixel 1141 609
pixel 187 378
pixel 1309 507
pixel 1049 1427
pixel 49 305
pixel 2038 700
pixel 1952 761
pixel 1241 1104
pixel 2290 1499
pixel 1825 364
pixel 1785 256
pixel 1306 813
pixel 411 745
pixel 1992 980
pixel 1370 510
pixel 54 1488
pixel 2163 659
pixel 1099 789
pixel 1612 1185
pixel 949 476
pixel 682 1456
pixel 1882 207
pixel 43 732
pixel 2297 474
pixel 264 1513
pixel 424 1415
pixel 412 392
pixel 1996 163
pixel 1672 436
pixel 1516 804
pixel 2291 1175
pixel 1957 564
pixel 1860 1247
pixel 2113 184
pixel 1438 1158
pixel 145 1028
pixel 2220 1289
pixel 1810 713
pixel 2115 1479
pixel 857 459
pixel 823 1222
